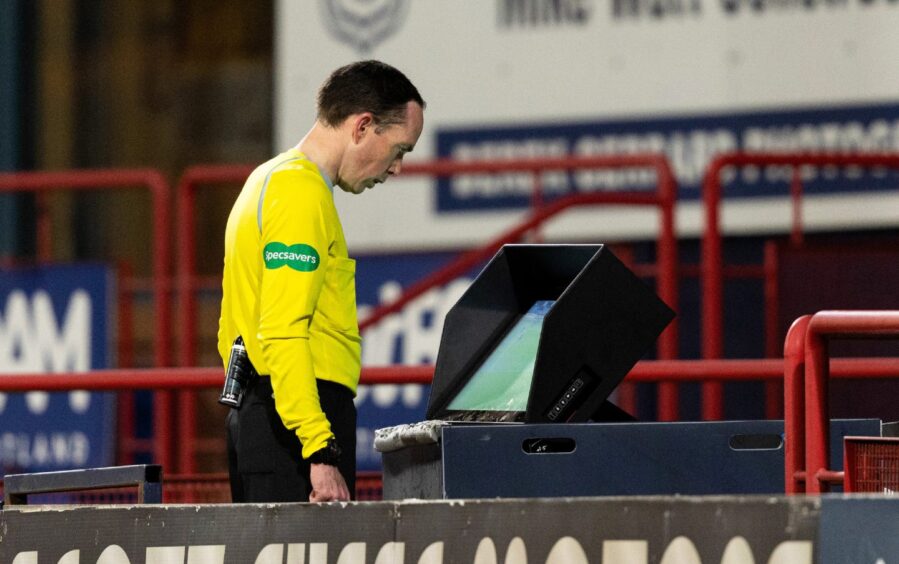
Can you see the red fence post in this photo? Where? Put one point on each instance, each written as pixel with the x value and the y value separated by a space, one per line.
pixel 712 285
pixel 667 283
pixel 774 392
pixel 794 406
pixel 185 272
pixel 823 326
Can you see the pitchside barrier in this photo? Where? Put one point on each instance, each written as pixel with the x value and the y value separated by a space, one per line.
pixel 640 530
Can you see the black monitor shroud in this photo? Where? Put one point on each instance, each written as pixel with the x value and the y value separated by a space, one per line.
pixel 603 321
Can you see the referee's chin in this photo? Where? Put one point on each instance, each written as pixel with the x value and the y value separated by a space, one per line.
pixel 357 189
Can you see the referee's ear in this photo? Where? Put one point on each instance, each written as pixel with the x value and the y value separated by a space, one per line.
pixel 362 124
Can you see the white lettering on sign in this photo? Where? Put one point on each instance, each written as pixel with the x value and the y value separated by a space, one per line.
pixel 566 550
pixel 631 551
pixel 508 184
pixel 682 551
pixel 61 449
pixel 878 136
pixel 688 151
pixel 33 340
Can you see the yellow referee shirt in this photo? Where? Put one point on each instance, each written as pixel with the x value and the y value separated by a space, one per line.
pixel 289 289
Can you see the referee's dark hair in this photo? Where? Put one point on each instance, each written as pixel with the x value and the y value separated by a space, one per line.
pixel 366 86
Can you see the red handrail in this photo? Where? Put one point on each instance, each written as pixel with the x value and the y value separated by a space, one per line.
pixel 42 182
pixel 823 326
pixel 669 371
pixel 179 378
pixel 644 371
pixel 806 371
pixel 712 262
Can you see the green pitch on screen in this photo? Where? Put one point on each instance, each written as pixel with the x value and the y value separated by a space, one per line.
pixel 503 381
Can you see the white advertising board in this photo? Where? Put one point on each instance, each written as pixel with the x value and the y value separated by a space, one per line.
pixel 690 78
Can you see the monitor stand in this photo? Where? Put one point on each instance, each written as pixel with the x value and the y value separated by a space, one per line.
pixel 608 412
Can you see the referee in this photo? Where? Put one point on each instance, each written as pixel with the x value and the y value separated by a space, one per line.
pixel 289 290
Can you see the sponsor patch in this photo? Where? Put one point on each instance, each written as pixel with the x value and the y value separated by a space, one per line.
pixel 300 257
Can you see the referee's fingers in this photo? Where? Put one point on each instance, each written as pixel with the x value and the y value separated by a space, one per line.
pixel 327 484
pixel 323 496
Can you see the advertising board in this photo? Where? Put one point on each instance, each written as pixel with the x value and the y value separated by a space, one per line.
pixel 543 78
pixel 56 318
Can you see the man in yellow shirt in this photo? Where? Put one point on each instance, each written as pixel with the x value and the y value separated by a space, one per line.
pixel 289 290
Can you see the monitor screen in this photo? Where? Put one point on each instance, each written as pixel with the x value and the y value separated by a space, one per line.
pixel 502 383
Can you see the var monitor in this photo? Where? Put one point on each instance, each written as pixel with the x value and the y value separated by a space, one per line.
pixel 503 382
pixel 544 334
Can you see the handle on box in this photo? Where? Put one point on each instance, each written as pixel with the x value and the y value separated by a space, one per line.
pixel 549 445
pixel 756 441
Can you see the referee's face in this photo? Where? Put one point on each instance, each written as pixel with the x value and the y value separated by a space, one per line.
pixel 379 150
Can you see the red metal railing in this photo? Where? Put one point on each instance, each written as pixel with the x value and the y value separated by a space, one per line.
pixel 670 371
pixel 823 326
pixel 177 378
pixel 643 371
pixel 165 380
pixel 712 261
pixel 806 372
pixel 43 182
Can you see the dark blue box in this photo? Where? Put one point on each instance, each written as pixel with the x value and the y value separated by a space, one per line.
pixel 595 459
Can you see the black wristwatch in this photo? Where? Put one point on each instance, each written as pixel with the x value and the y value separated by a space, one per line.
pixel 328 454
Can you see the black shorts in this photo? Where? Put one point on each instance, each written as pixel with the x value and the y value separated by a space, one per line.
pixel 265 460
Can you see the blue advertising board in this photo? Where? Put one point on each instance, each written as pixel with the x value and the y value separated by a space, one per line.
pixel 55 318
pixel 410 337
pixel 690 142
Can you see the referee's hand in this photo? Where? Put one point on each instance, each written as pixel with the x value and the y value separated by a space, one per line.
pixel 327 484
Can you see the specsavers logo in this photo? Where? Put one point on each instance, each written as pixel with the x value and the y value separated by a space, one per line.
pixel 298 257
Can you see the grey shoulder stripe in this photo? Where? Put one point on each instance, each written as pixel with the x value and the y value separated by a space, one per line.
pixel 264 186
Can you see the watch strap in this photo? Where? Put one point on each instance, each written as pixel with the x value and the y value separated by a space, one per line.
pixel 328 454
